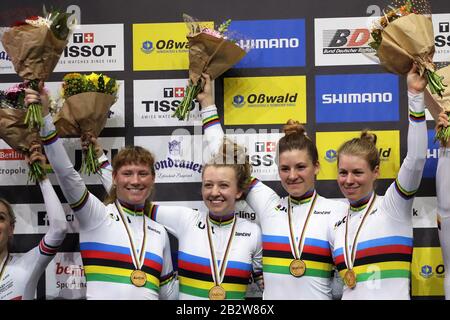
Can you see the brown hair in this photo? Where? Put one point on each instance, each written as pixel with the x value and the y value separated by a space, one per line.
pixel 130 155
pixel 233 156
pixel 295 138
pixel 10 212
pixel 364 147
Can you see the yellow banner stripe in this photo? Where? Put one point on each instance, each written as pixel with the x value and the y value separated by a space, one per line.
pixel 206 285
pixel 283 262
pixel 118 272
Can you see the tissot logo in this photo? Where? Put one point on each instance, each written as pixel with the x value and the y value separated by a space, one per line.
pixel 155 101
pixel 94 47
pixel 87 37
pixel 173 92
pixel 444 27
pixel 268 146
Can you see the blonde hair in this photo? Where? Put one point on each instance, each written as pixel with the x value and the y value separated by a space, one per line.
pixel 364 147
pixel 233 156
pixel 130 155
pixel 295 138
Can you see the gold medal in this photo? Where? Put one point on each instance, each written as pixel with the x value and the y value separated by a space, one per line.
pixel 350 279
pixel 217 293
pixel 138 278
pixel 297 268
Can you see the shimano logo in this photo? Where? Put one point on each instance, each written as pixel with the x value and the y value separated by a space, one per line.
pixel 373 97
pixel 269 43
pixel 243 234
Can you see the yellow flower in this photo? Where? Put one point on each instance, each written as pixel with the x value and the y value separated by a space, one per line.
pixel 72 76
pixel 106 79
pixel 93 77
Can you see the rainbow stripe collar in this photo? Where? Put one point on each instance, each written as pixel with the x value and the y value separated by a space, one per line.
pixel 305 198
pixel 360 204
pixel 221 220
pixel 132 209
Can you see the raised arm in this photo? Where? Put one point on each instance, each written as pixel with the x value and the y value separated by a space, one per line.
pixel 89 211
pixel 260 197
pixel 399 197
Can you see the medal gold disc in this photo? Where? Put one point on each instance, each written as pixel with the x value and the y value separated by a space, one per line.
pixel 350 279
pixel 138 278
pixel 297 267
pixel 217 293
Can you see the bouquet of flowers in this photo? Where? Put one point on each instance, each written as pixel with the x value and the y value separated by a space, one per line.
pixel 210 51
pixel 13 129
pixel 404 35
pixel 87 100
pixel 436 104
pixel 35 46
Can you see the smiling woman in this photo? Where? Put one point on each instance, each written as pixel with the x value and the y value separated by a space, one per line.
pixel 125 254
pixel 373 242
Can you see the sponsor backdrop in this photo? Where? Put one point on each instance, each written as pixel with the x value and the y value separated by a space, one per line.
pixel 306 61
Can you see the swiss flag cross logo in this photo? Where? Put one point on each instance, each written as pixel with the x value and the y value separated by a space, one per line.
pixel 179 92
pixel 270 146
pixel 88 37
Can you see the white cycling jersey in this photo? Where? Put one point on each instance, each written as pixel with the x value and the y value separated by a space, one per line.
pixel 278 250
pixel 21 273
pixel 104 241
pixel 385 243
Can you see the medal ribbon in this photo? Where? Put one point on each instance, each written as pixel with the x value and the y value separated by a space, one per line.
pixel 298 249
pixel 349 262
pixel 137 261
pixel 219 275
pixel 4 266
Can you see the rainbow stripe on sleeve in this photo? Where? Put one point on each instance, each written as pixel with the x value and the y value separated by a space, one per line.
pixel 210 121
pixel 195 276
pixel 109 263
pixel 416 116
pixel 404 193
pixel 50 138
pixel 391 256
pixel 46 249
pixel 277 256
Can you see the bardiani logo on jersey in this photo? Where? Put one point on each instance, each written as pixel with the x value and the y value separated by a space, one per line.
pixel 155 101
pixel 429 170
pixel 357 98
pixel 178 158
pixel 94 47
pixel 264 100
pixel 342 41
pixel 441 27
pixel 161 46
pixel 271 43
pixel 388 144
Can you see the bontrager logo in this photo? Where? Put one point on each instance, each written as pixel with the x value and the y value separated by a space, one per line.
pixel 373 97
pixel 243 234
pixel 269 43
